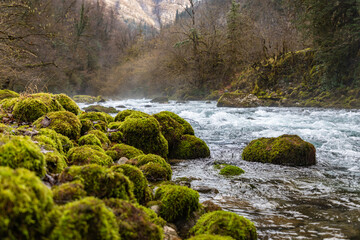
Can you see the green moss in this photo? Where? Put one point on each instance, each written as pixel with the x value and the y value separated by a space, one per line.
pixel 5 93
pixel 87 218
pixel 45 142
pixel 171 129
pixel 24 204
pixel 68 192
pixel 97 116
pixel 100 125
pixel 142 191
pixel 114 125
pixel 225 224
pixel 49 100
pixel 286 149
pixel 177 202
pixel 122 150
pixel 89 139
pixel 229 170
pixel 68 104
pixel 55 162
pixel 86 155
pixel 54 136
pixel 21 152
pixel 187 127
pixel 99 108
pixel 154 172
pixel 121 116
pixel 116 137
pixel 66 143
pixel 134 223
pixel 190 147
pixel 210 237
pixel 29 109
pixel 105 142
pixel 8 104
pixel 86 125
pixel 142 160
pixel 144 134
pixel 99 181
pixel 86 99
pixel 63 122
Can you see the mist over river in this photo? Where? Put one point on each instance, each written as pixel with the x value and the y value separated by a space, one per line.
pixel 318 202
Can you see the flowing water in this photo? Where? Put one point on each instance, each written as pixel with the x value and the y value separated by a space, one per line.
pixel 318 202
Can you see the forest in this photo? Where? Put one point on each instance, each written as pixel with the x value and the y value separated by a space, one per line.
pixel 213 46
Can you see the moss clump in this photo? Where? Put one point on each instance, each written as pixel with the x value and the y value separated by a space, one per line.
pixel 63 122
pixel 87 99
pixel 210 237
pixel 176 202
pixel 68 192
pixel 190 147
pixel 187 127
pixel 67 103
pixel 89 139
pixel 29 109
pixel 86 125
pixel 122 150
pixel 45 142
pixel 121 116
pixel 142 191
pixel 5 93
pixel 105 142
pixel 86 155
pixel 134 223
pixel 229 170
pixel 97 116
pixel 116 137
pixel 54 136
pixel 154 172
pixel 99 108
pixel 152 158
pixel 8 104
pixel 87 218
pixel 21 152
pixel 55 162
pixel 285 150
pixel 225 224
pixel 144 134
pixel 171 129
pixel 66 143
pixel 24 204
pixel 99 181
pixel 114 125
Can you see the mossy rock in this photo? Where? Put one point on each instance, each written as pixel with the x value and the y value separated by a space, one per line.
pixel 87 155
pixel 66 143
pixel 134 223
pixel 187 127
pixel 176 202
pixel 88 218
pixel 99 108
pixel 8 104
pixel 142 191
pixel 210 237
pixel 229 170
pixel 225 224
pixel 89 139
pixel 68 104
pixel 154 172
pixel 86 125
pixel 145 134
pixel 283 150
pixel 45 142
pixel 114 125
pixel 190 147
pixel 21 152
pixel 57 139
pixel 68 192
pixel 97 116
pixel 87 99
pixel 121 116
pixel 24 204
pixel 99 181
pixel 143 160
pixel 116 137
pixel 105 142
pixel 171 129
pixel 55 162
pixel 29 109
pixel 5 93
pixel 63 122
pixel 122 150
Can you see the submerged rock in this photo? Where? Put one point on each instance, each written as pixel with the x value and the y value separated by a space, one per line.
pixel 160 100
pixel 99 108
pixel 283 150
pixel 239 100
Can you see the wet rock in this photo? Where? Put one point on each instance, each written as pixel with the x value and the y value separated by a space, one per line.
pixel 160 100
pixel 120 106
pixel 155 208
pixel 170 233
pixel 99 108
pixel 239 100
pixel 210 206
pixel 148 106
pixel 205 189
pixel 122 160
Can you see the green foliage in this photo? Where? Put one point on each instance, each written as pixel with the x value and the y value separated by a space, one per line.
pixel 210 237
pixel 121 116
pixel 177 202
pixel 5 93
pixel 105 142
pixel 55 162
pixel 225 224
pixel 68 192
pixel 89 139
pixel 63 122
pixel 190 147
pixel 286 150
pixel 187 127
pixel 67 103
pixel 24 204
pixel 86 155
pixel 21 152
pixel 122 150
pixel 134 223
pixel 99 181
pixel 87 218
pixel 229 170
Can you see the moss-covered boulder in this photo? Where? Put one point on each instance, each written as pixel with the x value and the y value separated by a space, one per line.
pixel 105 142
pixel 121 116
pixel 210 237
pixel 116 136
pixel 114 125
pixel 21 152
pixel 5 93
pixel 145 134
pixel 134 223
pixel 86 125
pixel 229 170
pixel 87 99
pixel 99 181
pixel 190 147
pixel 154 167
pixel 45 142
pixel 29 109
pixel 122 150
pixel 68 192
pixel 171 129
pixel 284 150
pixel 66 143
pixel 24 204
pixel 89 139
pixel 142 191
pixel 99 108
pixel 84 155
pixel 63 122
pixel 176 202
pixel 55 162
pixel 225 224
pixel 8 104
pixel 68 104
pixel 97 116
pixel 54 136
pixel 87 218
pixel 187 127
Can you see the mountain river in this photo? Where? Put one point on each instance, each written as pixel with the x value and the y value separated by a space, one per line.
pixel 318 202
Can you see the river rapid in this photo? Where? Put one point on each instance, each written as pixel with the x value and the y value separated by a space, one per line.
pixel 318 202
